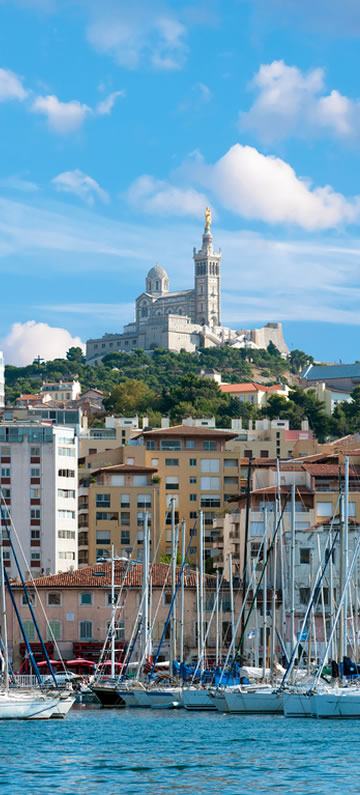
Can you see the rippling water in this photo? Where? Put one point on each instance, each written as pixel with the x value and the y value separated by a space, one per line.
pixel 130 751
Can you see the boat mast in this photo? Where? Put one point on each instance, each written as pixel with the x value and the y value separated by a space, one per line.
pixel 113 610
pixel 182 593
pixel 173 586
pixel 3 615
pixel 292 577
pixel 265 596
pixel 217 620
pixel 346 549
pixel 201 589
pixel 231 587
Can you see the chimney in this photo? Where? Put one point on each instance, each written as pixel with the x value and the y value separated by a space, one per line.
pixel 305 425
pixel 165 422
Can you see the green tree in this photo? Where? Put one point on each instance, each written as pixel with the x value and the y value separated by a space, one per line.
pixel 75 355
pixel 130 397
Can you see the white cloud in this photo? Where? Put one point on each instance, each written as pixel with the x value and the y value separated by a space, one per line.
pixel 81 185
pixel 28 340
pixel 252 185
pixel 63 117
pixel 136 33
pixel 291 102
pixel 160 197
pixel 106 105
pixel 11 86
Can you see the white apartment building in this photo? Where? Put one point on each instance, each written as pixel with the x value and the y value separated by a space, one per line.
pixel 38 481
pixel 2 380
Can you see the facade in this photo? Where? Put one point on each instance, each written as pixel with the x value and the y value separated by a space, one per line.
pixel 256 394
pixel 63 390
pixel 342 377
pixel 185 319
pixel 78 608
pixel 331 396
pixel 113 502
pixel 38 482
pixel 268 439
pixel 2 380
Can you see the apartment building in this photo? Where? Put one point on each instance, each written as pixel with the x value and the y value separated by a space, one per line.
pixel 116 432
pixel 38 481
pixel 61 390
pixel 113 502
pixel 268 438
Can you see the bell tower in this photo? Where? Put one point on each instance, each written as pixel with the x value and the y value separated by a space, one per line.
pixel 207 279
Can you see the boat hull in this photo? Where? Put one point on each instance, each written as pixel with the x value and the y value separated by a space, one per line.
pixel 194 698
pixel 298 705
pixel 337 705
pixel 16 706
pixel 166 698
pixel 256 702
pixel 108 696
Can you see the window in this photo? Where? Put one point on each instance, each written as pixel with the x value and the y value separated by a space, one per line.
pixel 324 508
pixel 6 554
pixel 209 445
pixel 118 480
pixel 169 444
pixel 305 555
pixel 352 508
pixel 140 480
pixel 144 501
pixel 86 598
pixel 209 483
pixel 66 555
pixel 210 501
pixel 29 629
pixel 106 516
pixel 66 493
pixel 70 534
pixel 54 599
pixel 125 519
pixel 170 499
pixel 34 494
pixel 193 497
pixel 35 559
pixel 193 514
pixel 167 598
pixel 34 452
pixel 125 536
pixel 230 462
pixel 172 482
pixel 150 444
pixel 5 472
pixel 66 473
pixel 190 444
pixel 102 553
pixel 125 501
pixel 228 481
pixel 69 451
pixel 154 462
pixel 35 472
pixel 192 480
pixel 192 462
pixel 32 598
pixel 209 464
pixel 64 514
pixel 35 535
pixel 103 537
pixel 247 453
pixel 304 595
pixel 5 451
pixel 6 493
pixel 264 454
pixel 103 500
pixel 171 462
pixel 119 628
pixel 85 630
pixel 35 513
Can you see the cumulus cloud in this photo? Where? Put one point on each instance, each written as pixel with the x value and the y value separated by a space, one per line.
pixel 81 185
pixel 11 86
pixel 63 117
pixel 28 340
pixel 289 101
pixel 252 185
pixel 160 197
pixel 105 107
pixel 136 33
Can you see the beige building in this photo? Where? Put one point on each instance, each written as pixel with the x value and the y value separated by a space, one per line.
pixel 256 394
pixel 62 390
pixel 268 438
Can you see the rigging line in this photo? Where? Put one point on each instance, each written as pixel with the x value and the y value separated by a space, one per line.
pixel 314 593
pixel 22 628
pixel 199 662
pixel 47 622
pixel 110 629
pixel 272 544
pixel 45 652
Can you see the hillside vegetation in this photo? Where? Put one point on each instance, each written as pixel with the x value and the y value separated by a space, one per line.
pixel 169 383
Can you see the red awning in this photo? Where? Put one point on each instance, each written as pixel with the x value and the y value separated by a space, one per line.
pixel 79 661
pixel 52 662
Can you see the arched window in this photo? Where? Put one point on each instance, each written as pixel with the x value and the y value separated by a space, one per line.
pixel 156 285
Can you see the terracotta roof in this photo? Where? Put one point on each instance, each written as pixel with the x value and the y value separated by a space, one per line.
pixel 330 470
pixel 352 522
pixel 87 577
pixel 131 468
pixel 251 386
pixel 188 430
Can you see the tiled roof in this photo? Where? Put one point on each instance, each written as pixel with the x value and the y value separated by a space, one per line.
pixel 251 386
pixel 87 577
pixel 330 470
pixel 352 522
pixel 189 430
pixel 272 491
pixel 131 468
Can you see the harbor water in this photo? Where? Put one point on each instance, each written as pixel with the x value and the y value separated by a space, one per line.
pixel 122 752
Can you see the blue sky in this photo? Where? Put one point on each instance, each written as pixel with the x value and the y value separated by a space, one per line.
pixel 120 122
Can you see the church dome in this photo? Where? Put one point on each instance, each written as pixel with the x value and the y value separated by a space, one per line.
pixel 157 273
pixel 157 281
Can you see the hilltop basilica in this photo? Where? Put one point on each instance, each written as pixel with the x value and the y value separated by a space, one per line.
pixel 186 319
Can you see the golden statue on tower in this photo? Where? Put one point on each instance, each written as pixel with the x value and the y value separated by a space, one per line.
pixel 207 219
